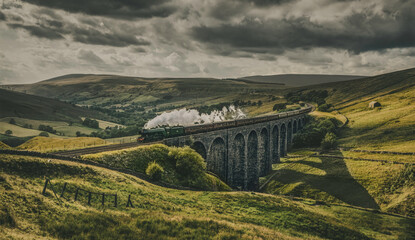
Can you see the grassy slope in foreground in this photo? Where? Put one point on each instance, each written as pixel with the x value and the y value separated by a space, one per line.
pixel 167 213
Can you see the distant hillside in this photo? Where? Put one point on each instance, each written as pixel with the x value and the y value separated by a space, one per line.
pixel 134 100
pixel 390 127
pixel 15 104
pixel 83 87
pixel 299 80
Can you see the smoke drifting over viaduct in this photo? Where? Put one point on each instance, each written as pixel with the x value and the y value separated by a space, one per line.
pixel 240 155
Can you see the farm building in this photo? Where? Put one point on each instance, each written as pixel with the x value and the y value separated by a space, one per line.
pixel 374 104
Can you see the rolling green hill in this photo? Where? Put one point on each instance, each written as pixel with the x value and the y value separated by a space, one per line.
pixel 101 89
pixel 161 213
pixel 133 100
pixel 299 80
pixel 391 127
pixel 15 104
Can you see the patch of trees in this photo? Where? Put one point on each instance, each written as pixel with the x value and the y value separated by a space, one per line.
pixel 12 121
pixel 8 132
pixel 316 133
pixel 126 118
pixel 44 134
pixel 90 123
pixel 116 132
pixel 242 103
pixel 47 128
pixel 317 96
pixel 279 106
pixel 324 107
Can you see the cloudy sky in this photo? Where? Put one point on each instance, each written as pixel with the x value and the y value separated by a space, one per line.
pixel 40 39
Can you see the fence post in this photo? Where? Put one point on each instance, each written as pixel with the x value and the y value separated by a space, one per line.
pixel 103 198
pixel 63 189
pixel 129 203
pixel 44 188
pixel 115 200
pixel 89 198
pixel 76 193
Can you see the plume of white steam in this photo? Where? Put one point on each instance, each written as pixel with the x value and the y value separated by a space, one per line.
pixel 188 117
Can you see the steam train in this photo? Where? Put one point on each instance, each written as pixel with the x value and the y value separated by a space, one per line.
pixel 156 134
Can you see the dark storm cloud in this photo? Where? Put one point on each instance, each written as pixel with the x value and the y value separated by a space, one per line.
pixel 266 3
pixel 358 32
pixel 224 10
pixel 93 36
pixel 49 27
pixel 2 16
pixel 40 32
pixel 123 9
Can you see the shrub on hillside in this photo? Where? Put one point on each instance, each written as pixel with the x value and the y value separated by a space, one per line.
pixel 279 106
pixel 182 166
pixel 8 132
pixel 90 123
pixel 314 132
pixel 329 141
pixel 324 107
pixel 188 162
pixel 154 171
pixel 326 126
pixel 44 134
pixel 12 121
pixel 141 157
pixel 48 129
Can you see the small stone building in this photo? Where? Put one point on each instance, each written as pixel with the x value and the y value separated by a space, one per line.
pixel 374 104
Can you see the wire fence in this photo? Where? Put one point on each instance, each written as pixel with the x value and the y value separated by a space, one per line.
pixel 83 195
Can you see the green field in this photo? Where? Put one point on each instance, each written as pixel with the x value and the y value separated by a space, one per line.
pixel 50 144
pixel 390 127
pixel 374 185
pixel 166 213
pixel 385 186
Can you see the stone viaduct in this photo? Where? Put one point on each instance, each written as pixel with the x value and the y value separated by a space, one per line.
pixel 240 155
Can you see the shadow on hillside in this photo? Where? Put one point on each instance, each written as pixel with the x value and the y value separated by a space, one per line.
pixel 337 181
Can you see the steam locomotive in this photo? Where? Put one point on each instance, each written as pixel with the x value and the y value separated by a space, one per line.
pixel 156 134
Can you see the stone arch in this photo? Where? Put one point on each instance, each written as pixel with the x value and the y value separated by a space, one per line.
pixel 252 162
pixel 238 163
pixel 283 140
pixel 264 149
pixel 199 147
pixel 295 127
pixel 275 147
pixel 217 162
pixel 289 132
pixel 300 125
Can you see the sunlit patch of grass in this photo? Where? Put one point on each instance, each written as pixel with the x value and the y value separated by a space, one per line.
pixel 349 181
pixel 376 156
pixel 391 127
pixel 48 144
pixel 4 146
